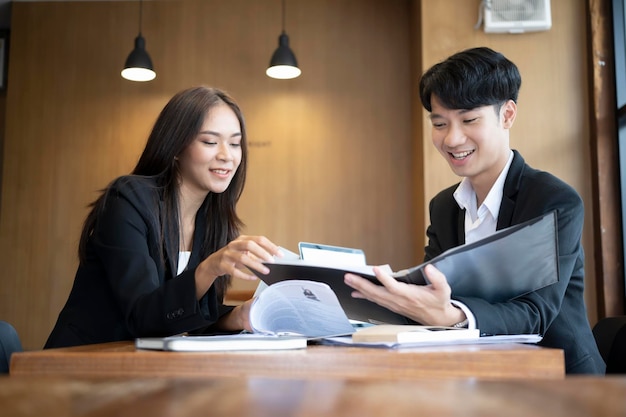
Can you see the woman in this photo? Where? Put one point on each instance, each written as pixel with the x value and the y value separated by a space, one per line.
pixel 159 247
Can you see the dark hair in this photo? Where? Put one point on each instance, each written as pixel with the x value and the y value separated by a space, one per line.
pixel 472 78
pixel 175 129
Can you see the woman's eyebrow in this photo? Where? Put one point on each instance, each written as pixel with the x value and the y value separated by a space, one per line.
pixel 213 133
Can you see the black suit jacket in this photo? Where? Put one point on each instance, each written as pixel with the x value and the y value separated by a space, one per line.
pixel 123 290
pixel 558 311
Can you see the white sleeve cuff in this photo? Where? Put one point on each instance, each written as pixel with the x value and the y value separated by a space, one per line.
pixel 471 320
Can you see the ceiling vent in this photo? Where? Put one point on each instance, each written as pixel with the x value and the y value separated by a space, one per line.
pixel 516 16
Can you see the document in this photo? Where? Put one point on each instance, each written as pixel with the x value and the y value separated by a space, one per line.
pixel 283 316
pixel 505 265
pixel 299 307
pixel 482 340
pixel 357 309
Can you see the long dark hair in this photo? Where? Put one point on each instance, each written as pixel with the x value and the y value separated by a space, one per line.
pixel 174 130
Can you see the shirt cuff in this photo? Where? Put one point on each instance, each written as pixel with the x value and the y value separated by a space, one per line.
pixel 471 320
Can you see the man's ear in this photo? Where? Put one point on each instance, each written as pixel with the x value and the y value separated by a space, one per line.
pixel 508 112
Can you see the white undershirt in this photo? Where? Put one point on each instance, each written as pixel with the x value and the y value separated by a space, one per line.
pixel 183 260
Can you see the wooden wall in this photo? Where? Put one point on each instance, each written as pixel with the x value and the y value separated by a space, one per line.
pixel 341 155
pixel 552 126
pixel 331 151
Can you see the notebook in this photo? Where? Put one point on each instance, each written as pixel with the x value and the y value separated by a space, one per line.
pixel 233 342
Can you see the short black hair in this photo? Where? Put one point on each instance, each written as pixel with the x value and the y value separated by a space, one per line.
pixel 471 78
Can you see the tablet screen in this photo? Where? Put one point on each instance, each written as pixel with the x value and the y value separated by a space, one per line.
pixel 331 255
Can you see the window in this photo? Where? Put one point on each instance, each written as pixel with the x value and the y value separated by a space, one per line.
pixel 619 41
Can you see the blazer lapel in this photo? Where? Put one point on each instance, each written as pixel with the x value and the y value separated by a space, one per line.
pixel 460 225
pixel 509 193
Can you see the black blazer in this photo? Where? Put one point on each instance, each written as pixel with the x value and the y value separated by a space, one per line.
pixel 123 290
pixel 558 311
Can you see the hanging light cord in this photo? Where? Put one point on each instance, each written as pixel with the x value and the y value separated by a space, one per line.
pixel 284 16
pixel 140 12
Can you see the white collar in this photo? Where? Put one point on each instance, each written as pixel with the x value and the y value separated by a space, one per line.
pixel 465 195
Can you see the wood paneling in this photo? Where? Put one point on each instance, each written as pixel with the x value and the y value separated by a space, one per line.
pixel 337 155
pixel 331 156
pixel 605 162
pixel 552 126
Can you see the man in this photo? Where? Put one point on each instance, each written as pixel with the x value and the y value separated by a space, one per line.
pixel 472 101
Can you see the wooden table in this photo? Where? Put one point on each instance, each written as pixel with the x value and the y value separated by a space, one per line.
pixel 122 359
pixel 266 397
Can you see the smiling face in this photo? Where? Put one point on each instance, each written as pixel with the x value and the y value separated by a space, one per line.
pixel 475 142
pixel 209 163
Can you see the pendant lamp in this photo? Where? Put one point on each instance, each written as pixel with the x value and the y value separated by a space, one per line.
pixel 283 64
pixel 138 65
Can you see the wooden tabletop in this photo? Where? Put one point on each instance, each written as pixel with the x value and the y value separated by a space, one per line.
pixel 121 359
pixel 268 397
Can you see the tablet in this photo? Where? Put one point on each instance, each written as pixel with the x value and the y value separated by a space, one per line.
pixel 331 255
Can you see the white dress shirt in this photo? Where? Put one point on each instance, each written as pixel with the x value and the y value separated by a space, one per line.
pixel 480 222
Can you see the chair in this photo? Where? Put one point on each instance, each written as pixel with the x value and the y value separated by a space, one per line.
pixel 9 343
pixel 610 335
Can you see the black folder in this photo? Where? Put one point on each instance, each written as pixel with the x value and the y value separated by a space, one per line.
pixel 505 265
